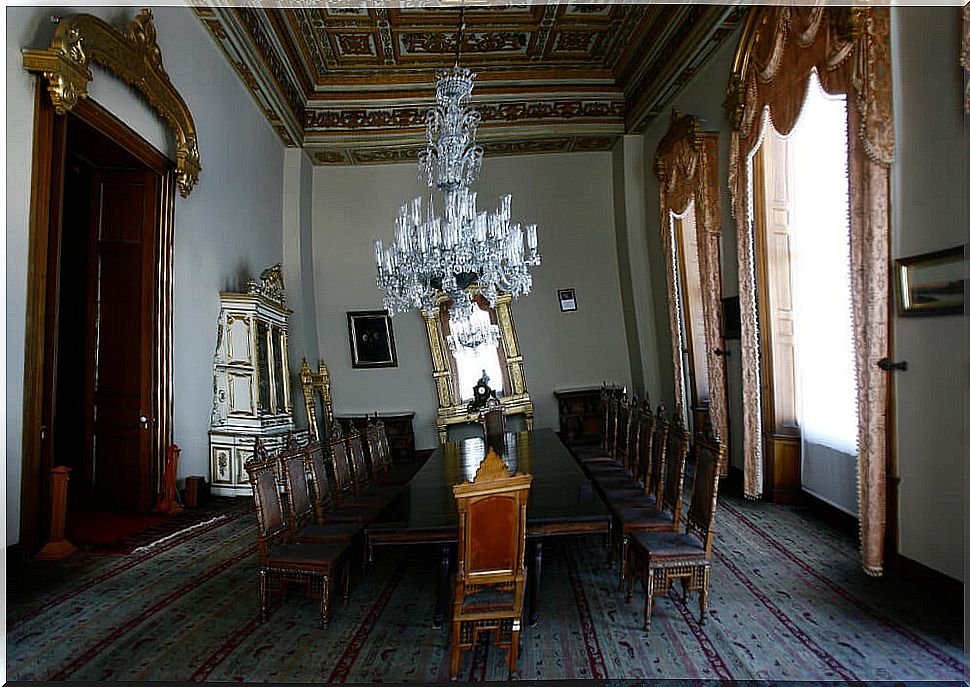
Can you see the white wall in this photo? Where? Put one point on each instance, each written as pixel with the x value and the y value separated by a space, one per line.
pixel 228 230
pixel 930 183
pixel 569 196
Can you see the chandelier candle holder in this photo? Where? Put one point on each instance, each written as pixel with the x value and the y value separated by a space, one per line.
pixel 464 251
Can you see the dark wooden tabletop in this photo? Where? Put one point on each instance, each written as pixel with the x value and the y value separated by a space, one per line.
pixel 561 500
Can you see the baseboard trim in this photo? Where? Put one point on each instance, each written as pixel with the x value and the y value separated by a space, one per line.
pixel 832 516
pixel 948 588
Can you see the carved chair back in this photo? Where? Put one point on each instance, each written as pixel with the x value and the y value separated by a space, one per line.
pixel 377 448
pixel 357 460
pixel 641 447
pixel 270 521
pixel 678 443
pixel 316 465
pixel 606 398
pixel 491 527
pixel 300 505
pixel 385 443
pixel 493 422
pixel 658 453
pixel 343 475
pixel 703 500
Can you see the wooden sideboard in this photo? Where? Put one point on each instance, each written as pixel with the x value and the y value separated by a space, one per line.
pixel 399 428
pixel 580 415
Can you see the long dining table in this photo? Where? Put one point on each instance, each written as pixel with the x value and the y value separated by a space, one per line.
pixel 562 502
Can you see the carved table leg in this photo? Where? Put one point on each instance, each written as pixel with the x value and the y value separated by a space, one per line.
pixel 444 587
pixel 535 572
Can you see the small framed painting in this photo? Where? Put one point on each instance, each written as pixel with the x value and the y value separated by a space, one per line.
pixel 932 283
pixel 567 300
pixel 371 339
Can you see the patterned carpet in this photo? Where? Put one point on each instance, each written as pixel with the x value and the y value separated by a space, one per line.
pixel 789 602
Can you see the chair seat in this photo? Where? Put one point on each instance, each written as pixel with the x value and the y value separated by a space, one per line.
pixel 488 599
pixel 665 546
pixel 330 531
pixel 625 493
pixel 604 466
pixel 644 518
pixel 638 500
pixel 320 556
pixel 358 515
pixel 617 481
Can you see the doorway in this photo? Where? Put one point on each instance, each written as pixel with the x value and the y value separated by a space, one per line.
pixel 95 398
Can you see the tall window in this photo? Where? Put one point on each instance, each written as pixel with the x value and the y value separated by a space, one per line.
pixel 805 243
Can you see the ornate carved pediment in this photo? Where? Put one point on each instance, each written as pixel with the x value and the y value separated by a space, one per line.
pixel 134 57
pixel 269 285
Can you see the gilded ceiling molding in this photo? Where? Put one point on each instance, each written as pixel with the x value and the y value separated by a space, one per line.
pixel 132 56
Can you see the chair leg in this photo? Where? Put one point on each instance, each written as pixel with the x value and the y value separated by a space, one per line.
pixel 624 559
pixel 631 576
pixel 455 648
pixel 262 596
pixel 325 602
pixel 648 605
pixel 346 571
pixel 513 651
pixel 703 595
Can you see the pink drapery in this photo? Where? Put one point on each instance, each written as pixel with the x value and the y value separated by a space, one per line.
pixel 686 165
pixel 849 49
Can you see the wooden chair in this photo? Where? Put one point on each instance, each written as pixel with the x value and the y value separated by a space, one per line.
pixel 664 515
pixel 610 397
pixel 345 488
pixel 490 577
pixel 662 557
pixel 366 490
pixel 638 486
pixel 312 565
pixel 493 422
pixel 302 519
pixel 325 503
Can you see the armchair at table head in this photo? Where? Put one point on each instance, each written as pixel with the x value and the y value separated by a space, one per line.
pixel 490 578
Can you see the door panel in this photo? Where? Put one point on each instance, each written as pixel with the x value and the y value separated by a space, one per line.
pixel 125 219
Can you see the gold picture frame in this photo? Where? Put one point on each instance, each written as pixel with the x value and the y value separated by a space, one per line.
pixel 932 283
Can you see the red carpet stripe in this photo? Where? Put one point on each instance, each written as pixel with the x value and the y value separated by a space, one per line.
pixel 597 666
pixel 128 564
pixel 707 646
pixel 943 658
pixel 356 644
pixel 826 658
pixel 117 633
pixel 220 654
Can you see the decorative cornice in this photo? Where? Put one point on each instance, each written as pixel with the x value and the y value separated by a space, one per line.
pixel 360 119
pixel 387 154
pixel 132 56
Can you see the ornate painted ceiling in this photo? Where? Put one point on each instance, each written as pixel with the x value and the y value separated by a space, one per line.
pixel 351 82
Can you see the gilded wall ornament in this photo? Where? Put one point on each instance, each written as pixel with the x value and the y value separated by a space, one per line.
pixel 135 58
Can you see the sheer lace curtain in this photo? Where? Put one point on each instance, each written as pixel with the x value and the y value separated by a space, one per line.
pixel 824 344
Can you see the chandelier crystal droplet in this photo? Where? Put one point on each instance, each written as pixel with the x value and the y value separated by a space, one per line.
pixel 464 251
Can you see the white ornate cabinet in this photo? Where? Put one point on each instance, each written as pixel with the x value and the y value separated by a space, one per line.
pixel 251 383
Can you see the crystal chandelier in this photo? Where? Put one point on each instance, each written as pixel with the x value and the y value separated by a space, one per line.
pixel 468 335
pixel 464 251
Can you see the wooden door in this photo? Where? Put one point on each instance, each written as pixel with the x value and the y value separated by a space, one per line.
pixel 123 221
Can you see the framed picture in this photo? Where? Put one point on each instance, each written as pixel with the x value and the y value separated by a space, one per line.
pixel 931 284
pixel 567 300
pixel 371 339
